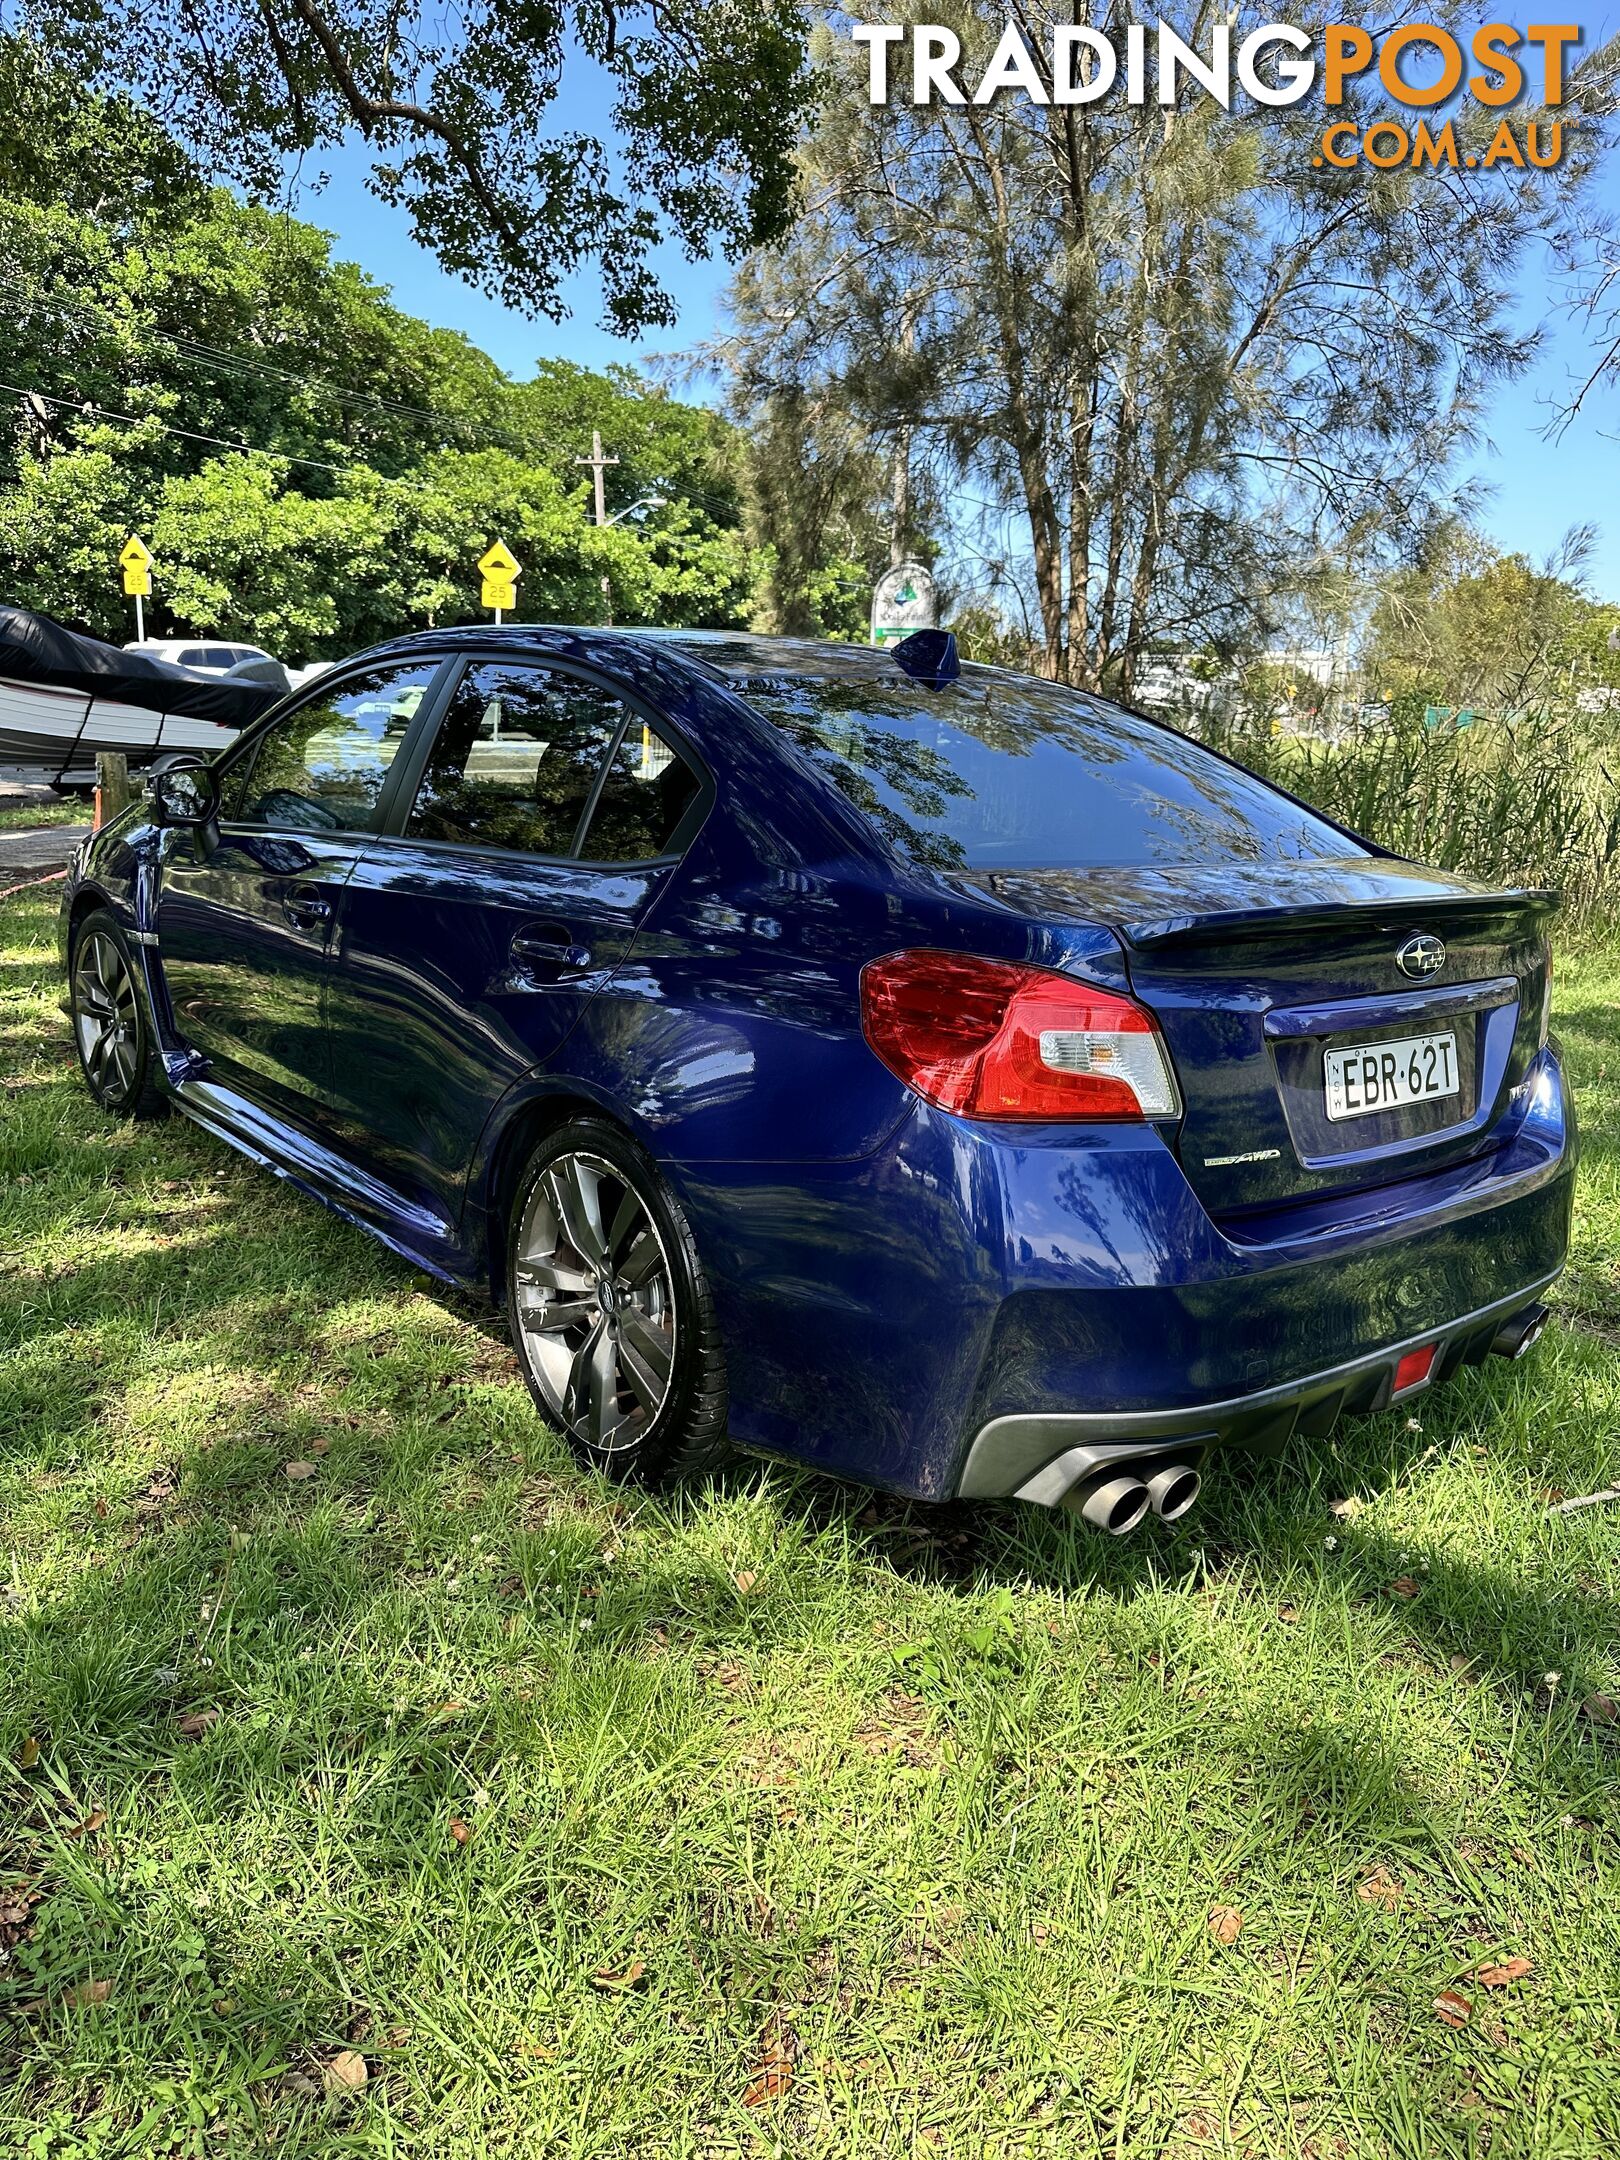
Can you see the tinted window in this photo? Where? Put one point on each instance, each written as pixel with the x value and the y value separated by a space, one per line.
pixel 990 773
pixel 647 792
pixel 515 760
pixel 321 767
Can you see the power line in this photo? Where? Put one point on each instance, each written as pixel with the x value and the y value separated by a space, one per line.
pixel 164 427
pixel 244 366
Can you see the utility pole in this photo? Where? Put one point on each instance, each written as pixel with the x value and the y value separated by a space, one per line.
pixel 599 465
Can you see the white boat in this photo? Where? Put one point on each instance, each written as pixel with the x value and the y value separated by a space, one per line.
pixel 64 698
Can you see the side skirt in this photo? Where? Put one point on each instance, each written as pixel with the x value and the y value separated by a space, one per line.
pixel 412 1233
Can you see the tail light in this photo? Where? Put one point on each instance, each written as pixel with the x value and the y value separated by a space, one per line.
pixel 991 1039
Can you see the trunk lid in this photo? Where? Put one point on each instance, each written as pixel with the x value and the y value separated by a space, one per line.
pixel 1271 980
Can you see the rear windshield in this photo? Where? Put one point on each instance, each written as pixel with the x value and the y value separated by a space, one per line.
pixel 995 774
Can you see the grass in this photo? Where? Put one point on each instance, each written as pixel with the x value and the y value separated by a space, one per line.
pixel 1528 801
pixel 767 1818
pixel 35 817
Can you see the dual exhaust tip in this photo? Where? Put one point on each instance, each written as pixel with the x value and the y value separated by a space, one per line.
pixel 1116 1503
pixel 1520 1333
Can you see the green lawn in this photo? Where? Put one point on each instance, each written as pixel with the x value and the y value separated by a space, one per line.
pixel 768 1818
pixel 34 817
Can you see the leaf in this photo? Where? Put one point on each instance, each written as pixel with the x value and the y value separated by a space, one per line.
pixel 1506 1973
pixel 459 1830
pixel 744 1580
pixel 87 1994
pixel 1452 2008
pixel 28 1753
pixel 297 1470
pixel 605 1977
pixel 772 2074
pixel 1380 1888
pixel 1405 1586
pixel 196 1723
pixel 1601 1709
pixel 1225 1921
pixel 346 2072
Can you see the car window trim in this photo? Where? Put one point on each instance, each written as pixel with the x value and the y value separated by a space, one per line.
pixel 326 686
pixel 635 705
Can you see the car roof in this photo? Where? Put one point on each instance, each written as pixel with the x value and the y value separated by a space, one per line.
pixel 726 655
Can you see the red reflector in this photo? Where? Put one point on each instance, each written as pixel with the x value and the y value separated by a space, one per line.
pixel 1414 1367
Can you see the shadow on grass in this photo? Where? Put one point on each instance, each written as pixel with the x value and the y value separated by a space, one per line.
pixel 198 1639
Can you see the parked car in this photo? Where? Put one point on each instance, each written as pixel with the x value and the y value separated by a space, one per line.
pixel 204 656
pixel 942 1077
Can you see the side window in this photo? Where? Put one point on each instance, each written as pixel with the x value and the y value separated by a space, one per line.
pixel 515 759
pixel 648 790
pixel 321 767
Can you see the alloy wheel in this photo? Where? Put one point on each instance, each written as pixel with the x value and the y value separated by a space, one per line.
pixel 106 1017
pixel 595 1302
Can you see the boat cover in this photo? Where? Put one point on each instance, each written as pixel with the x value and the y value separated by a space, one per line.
pixel 63 697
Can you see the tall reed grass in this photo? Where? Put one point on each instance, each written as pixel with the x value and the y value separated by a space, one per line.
pixel 1514 802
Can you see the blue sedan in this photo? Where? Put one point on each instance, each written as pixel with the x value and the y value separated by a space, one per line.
pixel 941 1077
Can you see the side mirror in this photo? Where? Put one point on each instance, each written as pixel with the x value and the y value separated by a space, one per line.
pixel 186 795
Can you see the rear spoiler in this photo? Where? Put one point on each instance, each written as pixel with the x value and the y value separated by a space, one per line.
pixel 1245 925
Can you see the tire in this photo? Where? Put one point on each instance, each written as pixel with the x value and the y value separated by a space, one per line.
pixel 111 1031
pixel 610 1310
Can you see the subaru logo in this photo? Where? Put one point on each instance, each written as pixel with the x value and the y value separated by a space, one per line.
pixel 1420 956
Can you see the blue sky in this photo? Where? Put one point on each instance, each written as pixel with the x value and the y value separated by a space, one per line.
pixel 1538 488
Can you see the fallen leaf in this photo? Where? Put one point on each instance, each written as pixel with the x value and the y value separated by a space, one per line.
pixel 745 1579
pixel 87 1993
pixel 605 1977
pixel 459 1830
pixel 1380 1888
pixel 13 1915
pixel 28 1753
pixel 92 1823
pixel 1224 1923
pixel 1505 1974
pixel 196 1723
pixel 1406 1586
pixel 346 2072
pixel 298 1469
pixel 1452 2008
pixel 772 2074
pixel 1601 1709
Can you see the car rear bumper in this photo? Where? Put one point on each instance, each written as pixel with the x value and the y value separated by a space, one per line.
pixel 953 1313
pixel 1042 1455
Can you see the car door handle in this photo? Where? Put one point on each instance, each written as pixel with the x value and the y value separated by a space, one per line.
pixel 306 907
pixel 549 945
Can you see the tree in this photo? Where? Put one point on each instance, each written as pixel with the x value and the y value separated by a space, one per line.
pixel 454 105
pixel 1467 625
pixel 152 330
pixel 1179 368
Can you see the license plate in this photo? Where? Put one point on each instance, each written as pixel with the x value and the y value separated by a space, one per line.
pixel 1389 1075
